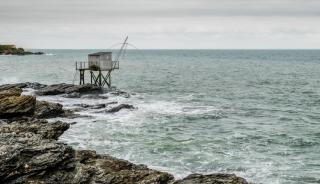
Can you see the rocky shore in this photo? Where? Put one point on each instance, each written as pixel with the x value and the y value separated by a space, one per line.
pixel 13 50
pixel 31 153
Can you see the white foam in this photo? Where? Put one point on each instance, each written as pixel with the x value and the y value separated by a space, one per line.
pixel 50 54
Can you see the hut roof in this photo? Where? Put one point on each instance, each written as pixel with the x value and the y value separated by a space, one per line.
pixel 99 53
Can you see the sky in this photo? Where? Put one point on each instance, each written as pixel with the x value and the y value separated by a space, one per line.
pixel 161 24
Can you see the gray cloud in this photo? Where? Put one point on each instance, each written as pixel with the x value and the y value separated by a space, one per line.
pixel 79 10
pixel 170 23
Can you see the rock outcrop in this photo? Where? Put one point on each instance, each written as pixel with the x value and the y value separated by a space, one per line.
pixel 33 85
pixel 13 106
pixel 48 109
pixel 31 153
pixel 118 108
pixel 26 155
pixel 57 89
pixel 13 50
pixel 40 127
pixel 212 179
pixel 10 92
pixel 70 90
pixel 10 86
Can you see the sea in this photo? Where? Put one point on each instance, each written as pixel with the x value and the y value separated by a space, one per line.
pixel 254 113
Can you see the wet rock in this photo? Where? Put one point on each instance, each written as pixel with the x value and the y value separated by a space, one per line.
pixel 25 155
pixel 72 95
pixel 17 106
pixel 94 96
pixel 70 114
pixel 54 89
pixel 82 89
pixel 10 86
pixel 120 93
pixel 119 107
pixel 113 170
pixel 212 179
pixel 10 92
pixel 29 154
pixel 83 105
pixel 41 127
pixel 67 89
pixel 38 53
pixel 35 85
pixel 96 106
pixel 48 109
pixel 111 103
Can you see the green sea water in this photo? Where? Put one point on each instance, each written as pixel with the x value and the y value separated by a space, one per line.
pixel 255 113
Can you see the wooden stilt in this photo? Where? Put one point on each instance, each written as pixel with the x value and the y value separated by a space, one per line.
pixel 81 77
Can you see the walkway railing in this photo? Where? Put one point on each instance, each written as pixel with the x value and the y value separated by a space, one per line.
pixel 81 65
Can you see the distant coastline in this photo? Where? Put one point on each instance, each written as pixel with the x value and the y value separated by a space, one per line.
pixel 13 50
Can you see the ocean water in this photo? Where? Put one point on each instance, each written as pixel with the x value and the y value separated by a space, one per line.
pixel 255 113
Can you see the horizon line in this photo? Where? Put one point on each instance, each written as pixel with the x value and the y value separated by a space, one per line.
pixel 178 49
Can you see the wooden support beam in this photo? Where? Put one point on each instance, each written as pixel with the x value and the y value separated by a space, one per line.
pixel 81 77
pixel 100 76
pixel 97 79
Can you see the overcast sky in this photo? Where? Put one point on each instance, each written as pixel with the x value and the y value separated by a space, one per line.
pixel 190 24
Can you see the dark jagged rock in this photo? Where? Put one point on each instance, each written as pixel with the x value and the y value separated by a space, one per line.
pixel 72 95
pixel 41 127
pixel 120 93
pixel 29 154
pixel 35 85
pixel 70 114
pixel 99 106
pixel 119 107
pixel 110 103
pixel 38 53
pixel 83 89
pixel 54 89
pixel 68 89
pixel 113 170
pixel 17 106
pixel 94 96
pixel 212 179
pixel 25 155
pixel 84 105
pixel 96 106
pixel 48 109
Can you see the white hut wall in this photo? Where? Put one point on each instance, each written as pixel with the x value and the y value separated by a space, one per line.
pixel 106 62
pixel 94 61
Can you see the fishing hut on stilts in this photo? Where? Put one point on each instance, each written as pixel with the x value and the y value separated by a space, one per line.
pixel 100 65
